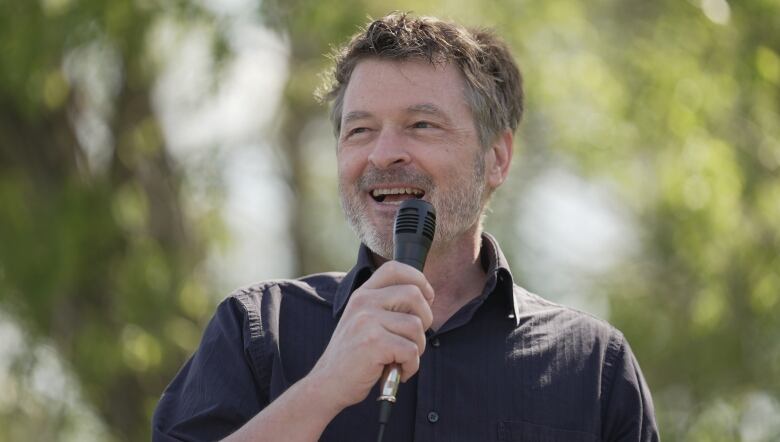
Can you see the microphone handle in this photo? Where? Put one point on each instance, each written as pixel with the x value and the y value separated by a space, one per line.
pixel 391 376
pixel 413 232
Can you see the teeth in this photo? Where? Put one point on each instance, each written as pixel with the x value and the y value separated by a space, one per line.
pixel 398 191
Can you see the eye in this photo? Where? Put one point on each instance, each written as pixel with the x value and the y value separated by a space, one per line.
pixel 422 125
pixel 355 131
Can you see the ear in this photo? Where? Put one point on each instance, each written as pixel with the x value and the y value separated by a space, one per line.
pixel 498 159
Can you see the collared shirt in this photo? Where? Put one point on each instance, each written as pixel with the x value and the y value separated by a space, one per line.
pixel 508 366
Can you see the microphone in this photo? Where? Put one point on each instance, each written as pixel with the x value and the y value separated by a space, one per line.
pixel 415 225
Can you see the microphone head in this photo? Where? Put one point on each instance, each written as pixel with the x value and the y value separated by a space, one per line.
pixel 415 226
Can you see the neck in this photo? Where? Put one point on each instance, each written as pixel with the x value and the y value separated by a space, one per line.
pixel 455 264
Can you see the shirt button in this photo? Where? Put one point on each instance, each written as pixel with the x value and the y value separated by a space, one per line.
pixel 433 417
pixel 435 343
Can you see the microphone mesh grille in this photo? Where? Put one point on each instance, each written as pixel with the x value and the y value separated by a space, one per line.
pixel 407 219
pixel 429 228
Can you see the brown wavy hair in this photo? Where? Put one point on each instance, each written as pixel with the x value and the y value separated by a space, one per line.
pixel 494 90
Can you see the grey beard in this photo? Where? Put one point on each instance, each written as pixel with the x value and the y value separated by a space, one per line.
pixel 456 211
pixel 381 245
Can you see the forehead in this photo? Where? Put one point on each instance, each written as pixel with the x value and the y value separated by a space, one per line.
pixel 378 85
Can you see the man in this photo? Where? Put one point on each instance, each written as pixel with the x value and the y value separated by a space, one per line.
pixel 422 109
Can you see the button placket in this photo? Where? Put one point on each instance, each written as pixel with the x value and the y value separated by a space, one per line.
pixel 427 409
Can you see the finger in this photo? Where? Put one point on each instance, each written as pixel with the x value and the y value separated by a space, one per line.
pixel 410 368
pixel 407 326
pixel 404 299
pixel 404 353
pixel 395 273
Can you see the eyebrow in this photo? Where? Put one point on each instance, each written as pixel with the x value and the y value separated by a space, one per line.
pixel 423 108
pixel 430 109
pixel 354 115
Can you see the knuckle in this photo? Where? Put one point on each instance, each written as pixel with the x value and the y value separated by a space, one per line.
pixel 411 351
pixel 416 291
pixel 361 318
pixel 392 268
pixel 358 299
pixel 417 324
pixel 411 293
pixel 398 270
pixel 371 337
pixel 411 365
pixel 412 325
pixel 420 345
pixel 427 318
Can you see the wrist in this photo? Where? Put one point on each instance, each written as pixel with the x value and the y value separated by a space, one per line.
pixel 317 391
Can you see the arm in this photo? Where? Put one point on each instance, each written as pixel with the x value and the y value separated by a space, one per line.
pixel 300 414
pixel 217 389
pixel 384 322
pixel 627 413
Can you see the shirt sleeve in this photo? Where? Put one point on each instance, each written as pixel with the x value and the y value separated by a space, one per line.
pixel 216 391
pixel 628 408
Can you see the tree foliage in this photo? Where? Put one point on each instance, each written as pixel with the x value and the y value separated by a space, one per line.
pixel 96 254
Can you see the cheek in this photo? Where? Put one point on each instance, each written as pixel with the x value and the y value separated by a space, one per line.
pixel 349 168
pixel 460 173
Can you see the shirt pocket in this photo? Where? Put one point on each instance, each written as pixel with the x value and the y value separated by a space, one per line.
pixel 517 431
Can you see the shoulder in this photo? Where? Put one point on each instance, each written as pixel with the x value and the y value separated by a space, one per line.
pixel 254 306
pixel 252 314
pixel 534 308
pixel 318 288
pixel 584 344
pixel 544 322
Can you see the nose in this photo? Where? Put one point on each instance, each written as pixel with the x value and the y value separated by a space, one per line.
pixel 389 150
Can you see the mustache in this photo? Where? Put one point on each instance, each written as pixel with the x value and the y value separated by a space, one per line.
pixel 374 177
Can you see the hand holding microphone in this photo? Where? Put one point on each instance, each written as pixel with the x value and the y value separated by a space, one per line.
pixel 415 225
pixel 384 321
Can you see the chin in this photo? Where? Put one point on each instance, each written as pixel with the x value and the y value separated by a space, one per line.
pixel 380 244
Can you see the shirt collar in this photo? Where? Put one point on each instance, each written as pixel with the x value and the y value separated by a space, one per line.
pixel 359 274
pixel 493 261
pixel 499 277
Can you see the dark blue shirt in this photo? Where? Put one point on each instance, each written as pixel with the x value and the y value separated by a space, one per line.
pixel 508 366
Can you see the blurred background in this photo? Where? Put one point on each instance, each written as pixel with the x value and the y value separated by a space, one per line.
pixel 155 155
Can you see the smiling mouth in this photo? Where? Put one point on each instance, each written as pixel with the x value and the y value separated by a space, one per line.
pixel 396 195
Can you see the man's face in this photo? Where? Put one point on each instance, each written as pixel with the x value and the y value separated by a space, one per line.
pixel 407 132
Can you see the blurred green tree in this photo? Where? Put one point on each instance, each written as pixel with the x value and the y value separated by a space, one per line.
pixel 96 254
